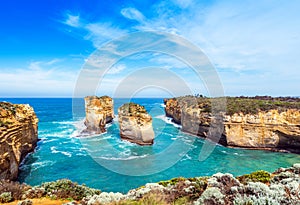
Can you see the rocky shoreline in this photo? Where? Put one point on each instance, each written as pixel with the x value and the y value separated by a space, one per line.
pixel 260 187
pixel 253 123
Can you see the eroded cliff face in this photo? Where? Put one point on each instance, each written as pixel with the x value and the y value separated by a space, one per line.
pixel 135 124
pixel 99 111
pixel 194 118
pixel 270 129
pixel 18 137
pixel 173 109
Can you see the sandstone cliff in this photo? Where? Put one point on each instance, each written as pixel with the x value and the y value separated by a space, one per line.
pixel 18 137
pixel 250 123
pixel 99 111
pixel 135 124
pixel 267 129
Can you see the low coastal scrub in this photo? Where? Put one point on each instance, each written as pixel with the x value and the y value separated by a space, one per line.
pixel 260 187
pixel 60 189
pixel 246 105
pixel 8 107
pixel 5 197
pixel 65 188
pixel 132 109
pixel 258 176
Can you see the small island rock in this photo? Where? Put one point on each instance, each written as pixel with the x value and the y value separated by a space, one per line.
pixel 135 124
pixel 99 111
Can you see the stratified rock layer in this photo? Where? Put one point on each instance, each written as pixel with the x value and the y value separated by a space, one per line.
pixel 99 111
pixel 135 124
pixel 18 137
pixel 269 129
pixel 265 129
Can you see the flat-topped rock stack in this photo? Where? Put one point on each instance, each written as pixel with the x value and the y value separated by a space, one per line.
pixel 99 111
pixel 135 124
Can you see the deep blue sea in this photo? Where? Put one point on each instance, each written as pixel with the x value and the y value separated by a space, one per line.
pixel 108 163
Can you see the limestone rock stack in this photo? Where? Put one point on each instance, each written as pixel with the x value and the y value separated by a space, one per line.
pixel 99 111
pixel 135 124
pixel 18 137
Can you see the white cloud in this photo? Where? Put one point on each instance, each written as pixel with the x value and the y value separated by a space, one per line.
pixel 137 81
pixel 38 78
pixel 35 66
pixel 116 69
pixel 260 38
pixel 96 32
pixel 72 20
pixel 183 3
pixel 244 40
pixel 54 61
pixel 133 14
pixel 99 33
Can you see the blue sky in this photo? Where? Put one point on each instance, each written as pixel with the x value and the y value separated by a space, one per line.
pixel 254 45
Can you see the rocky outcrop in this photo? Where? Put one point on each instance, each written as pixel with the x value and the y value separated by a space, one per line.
pixel 274 129
pixel 173 109
pixel 195 118
pixel 99 111
pixel 18 137
pixel 135 124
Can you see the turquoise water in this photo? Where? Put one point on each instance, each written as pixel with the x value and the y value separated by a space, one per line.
pixel 60 154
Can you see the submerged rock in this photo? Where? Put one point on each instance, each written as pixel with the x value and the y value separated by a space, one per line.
pixel 135 124
pixel 18 137
pixel 99 111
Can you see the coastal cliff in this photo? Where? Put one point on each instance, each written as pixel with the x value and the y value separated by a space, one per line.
pixel 18 137
pixel 258 123
pixel 99 111
pixel 135 124
pixel 267 129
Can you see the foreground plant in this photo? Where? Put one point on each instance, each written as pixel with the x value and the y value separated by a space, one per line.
pixel 260 187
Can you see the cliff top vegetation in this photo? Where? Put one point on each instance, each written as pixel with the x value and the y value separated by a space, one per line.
pixel 246 105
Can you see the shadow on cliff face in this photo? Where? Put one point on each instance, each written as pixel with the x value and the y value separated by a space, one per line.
pixel 26 167
pixel 288 142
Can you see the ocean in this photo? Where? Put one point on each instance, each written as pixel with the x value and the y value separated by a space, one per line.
pixel 110 164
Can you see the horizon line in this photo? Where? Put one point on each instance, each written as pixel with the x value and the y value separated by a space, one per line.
pixel 69 97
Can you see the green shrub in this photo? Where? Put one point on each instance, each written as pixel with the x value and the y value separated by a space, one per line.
pixel 246 105
pixel 9 107
pixel 6 197
pixel 64 189
pixel 258 176
pixel 171 182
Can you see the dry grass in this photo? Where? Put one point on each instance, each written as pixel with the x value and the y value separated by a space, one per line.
pixel 41 201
